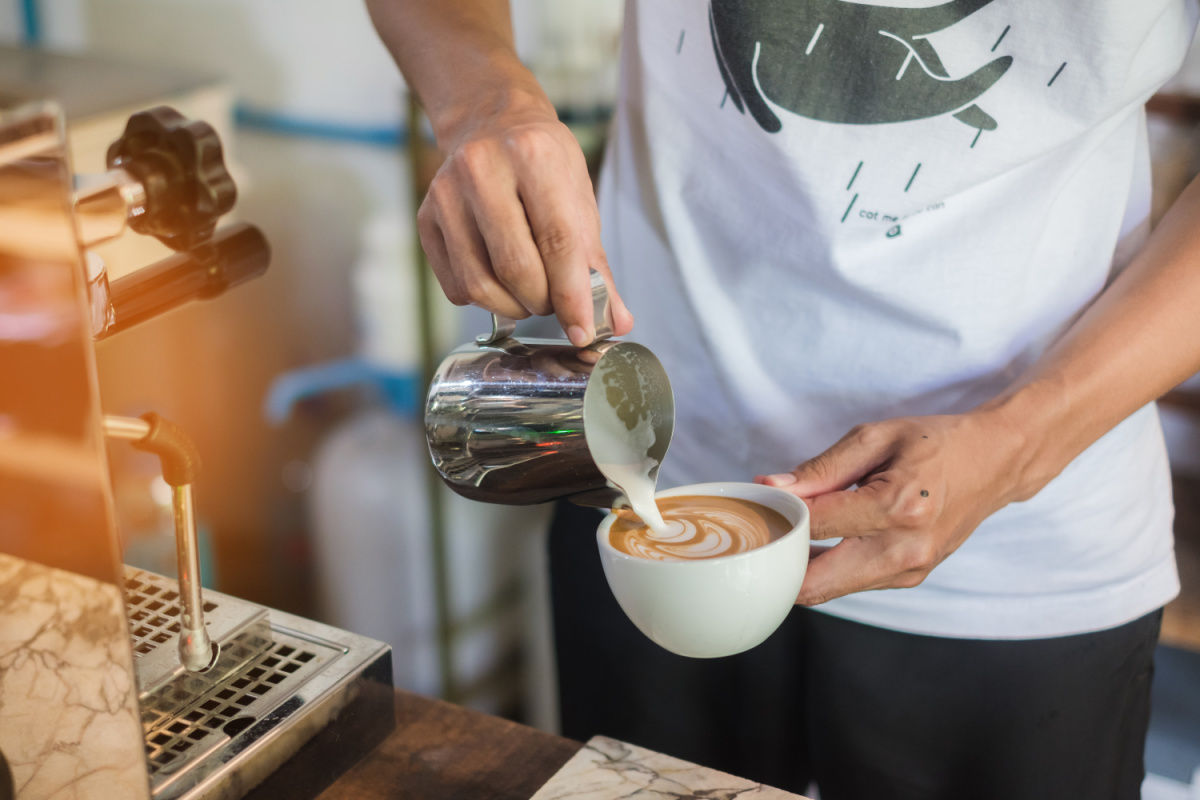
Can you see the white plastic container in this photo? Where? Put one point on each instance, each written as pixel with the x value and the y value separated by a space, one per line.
pixel 370 540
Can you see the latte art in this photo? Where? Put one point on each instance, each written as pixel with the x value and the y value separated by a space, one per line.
pixel 699 526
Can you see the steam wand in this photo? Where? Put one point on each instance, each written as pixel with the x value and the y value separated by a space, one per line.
pixel 180 462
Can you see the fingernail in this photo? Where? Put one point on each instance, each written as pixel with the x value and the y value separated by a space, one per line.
pixel 578 336
pixel 783 479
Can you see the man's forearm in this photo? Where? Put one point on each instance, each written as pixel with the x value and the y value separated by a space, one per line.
pixel 459 58
pixel 1139 339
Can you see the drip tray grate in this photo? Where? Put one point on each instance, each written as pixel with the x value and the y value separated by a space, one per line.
pixel 278 680
pixel 193 714
pixel 152 605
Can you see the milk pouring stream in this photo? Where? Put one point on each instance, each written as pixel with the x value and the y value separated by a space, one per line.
pixel 621 434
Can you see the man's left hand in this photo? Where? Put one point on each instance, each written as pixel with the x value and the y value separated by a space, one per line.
pixel 902 495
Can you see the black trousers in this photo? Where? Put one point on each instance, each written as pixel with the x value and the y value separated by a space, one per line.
pixel 867 713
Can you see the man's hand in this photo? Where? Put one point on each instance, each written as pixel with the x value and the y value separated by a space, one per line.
pixel 902 495
pixel 510 223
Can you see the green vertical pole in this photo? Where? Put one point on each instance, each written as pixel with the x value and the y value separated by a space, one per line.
pixel 433 482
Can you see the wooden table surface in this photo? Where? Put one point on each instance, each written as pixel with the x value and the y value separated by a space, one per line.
pixel 439 750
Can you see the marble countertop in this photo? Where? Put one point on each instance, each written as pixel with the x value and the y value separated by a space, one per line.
pixel 606 769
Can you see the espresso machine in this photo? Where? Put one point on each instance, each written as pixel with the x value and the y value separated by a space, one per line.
pixel 116 682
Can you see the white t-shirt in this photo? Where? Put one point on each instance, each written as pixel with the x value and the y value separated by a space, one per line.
pixel 824 213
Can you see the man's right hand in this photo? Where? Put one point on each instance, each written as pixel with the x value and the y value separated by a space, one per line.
pixel 510 222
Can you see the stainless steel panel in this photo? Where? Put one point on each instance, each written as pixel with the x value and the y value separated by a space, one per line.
pixel 66 648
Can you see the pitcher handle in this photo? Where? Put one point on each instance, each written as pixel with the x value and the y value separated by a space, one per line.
pixel 503 327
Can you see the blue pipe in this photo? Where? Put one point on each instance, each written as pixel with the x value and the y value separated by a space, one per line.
pixel 32 32
pixel 288 125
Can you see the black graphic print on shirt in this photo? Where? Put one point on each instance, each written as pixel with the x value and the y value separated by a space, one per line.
pixel 845 62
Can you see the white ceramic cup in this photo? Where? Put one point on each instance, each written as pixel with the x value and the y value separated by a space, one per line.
pixel 705 608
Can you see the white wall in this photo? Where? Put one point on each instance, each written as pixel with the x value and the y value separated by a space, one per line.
pixel 11 22
pixel 316 59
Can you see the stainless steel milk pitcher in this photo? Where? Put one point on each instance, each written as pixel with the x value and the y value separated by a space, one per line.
pixel 521 421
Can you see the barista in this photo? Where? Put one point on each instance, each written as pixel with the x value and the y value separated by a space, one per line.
pixel 908 250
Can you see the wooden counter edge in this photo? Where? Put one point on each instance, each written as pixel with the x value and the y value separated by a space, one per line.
pixel 440 750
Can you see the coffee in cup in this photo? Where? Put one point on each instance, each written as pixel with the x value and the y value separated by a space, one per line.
pixel 699 526
pixel 722 603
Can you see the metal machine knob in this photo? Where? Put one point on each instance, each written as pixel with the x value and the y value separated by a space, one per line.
pixel 179 163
